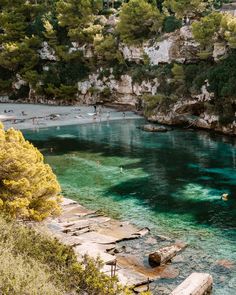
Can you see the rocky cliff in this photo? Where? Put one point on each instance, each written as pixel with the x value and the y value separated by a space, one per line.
pixel 105 86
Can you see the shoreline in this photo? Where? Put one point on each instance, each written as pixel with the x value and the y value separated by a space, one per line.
pixel 115 242
pixel 43 114
pixel 30 116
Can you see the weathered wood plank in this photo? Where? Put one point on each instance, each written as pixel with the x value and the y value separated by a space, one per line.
pixel 165 254
pixel 195 284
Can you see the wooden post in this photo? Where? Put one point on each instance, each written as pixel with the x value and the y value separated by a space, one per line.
pixel 195 284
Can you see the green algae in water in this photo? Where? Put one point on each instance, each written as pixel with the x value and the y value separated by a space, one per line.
pixel 171 182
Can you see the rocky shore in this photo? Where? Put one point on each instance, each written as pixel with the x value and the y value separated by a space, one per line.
pixel 96 235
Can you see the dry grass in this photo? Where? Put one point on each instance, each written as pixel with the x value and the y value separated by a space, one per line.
pixel 19 273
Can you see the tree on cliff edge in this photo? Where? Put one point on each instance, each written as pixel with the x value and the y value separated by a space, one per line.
pixel 139 21
pixel 28 187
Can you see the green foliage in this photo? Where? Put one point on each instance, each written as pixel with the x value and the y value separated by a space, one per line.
pixel 147 72
pixel 60 80
pixel 34 263
pixel 204 54
pixel 221 77
pixel 183 8
pixel 178 73
pixel 171 24
pixel 28 187
pixel 205 30
pixel 152 101
pixel 21 93
pixel 228 25
pixel 5 86
pixel 106 93
pixel 139 21
pixel 76 16
pixel 19 56
pixel 195 76
pixel 66 92
pixel 107 49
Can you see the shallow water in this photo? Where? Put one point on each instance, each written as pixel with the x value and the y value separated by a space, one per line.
pixel 171 182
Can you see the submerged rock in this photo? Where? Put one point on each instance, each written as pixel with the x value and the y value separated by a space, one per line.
pixel 154 128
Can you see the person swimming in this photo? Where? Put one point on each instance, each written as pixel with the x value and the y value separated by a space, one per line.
pixel 225 197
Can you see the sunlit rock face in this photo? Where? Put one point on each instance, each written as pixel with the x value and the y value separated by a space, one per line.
pixel 121 91
pixel 4 99
pixel 19 82
pixel 177 46
pixel 47 52
pixel 220 49
pixel 191 113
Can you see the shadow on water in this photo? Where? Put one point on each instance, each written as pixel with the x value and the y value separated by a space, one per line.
pixel 186 172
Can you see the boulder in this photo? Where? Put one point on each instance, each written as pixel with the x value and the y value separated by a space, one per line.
pixel 154 128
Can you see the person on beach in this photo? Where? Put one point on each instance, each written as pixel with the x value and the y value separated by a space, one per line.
pixel 95 109
pixel 124 114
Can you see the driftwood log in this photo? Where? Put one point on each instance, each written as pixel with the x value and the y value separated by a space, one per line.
pixel 195 284
pixel 164 255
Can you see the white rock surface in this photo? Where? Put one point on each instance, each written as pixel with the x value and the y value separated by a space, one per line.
pixel 47 53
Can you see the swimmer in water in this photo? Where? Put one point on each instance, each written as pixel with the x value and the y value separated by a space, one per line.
pixel 224 197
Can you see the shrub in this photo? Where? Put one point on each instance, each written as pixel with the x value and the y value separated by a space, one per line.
pixel 171 23
pixel 28 187
pixel 34 263
pixel 204 30
pixel 107 49
pixel 106 93
pixel 152 101
pixel 178 73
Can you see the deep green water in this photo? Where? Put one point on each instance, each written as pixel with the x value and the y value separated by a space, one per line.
pixel 171 182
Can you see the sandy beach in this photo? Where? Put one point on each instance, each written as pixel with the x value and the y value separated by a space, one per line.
pixel 29 116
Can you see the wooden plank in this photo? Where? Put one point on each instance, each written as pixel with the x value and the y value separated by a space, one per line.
pixel 195 284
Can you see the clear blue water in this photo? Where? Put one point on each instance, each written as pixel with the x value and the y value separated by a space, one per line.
pixel 171 182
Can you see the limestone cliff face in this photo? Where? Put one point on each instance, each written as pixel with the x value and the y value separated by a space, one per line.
pixel 191 113
pixel 178 46
pixel 123 91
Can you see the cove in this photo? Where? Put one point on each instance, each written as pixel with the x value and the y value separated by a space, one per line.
pixel 170 182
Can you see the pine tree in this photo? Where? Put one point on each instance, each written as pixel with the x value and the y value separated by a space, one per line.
pixel 139 21
pixel 28 187
pixel 76 15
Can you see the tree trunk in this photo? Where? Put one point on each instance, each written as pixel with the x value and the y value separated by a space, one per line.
pixel 195 284
pixel 164 255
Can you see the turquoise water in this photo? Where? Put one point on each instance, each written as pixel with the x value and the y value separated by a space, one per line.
pixel 171 182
